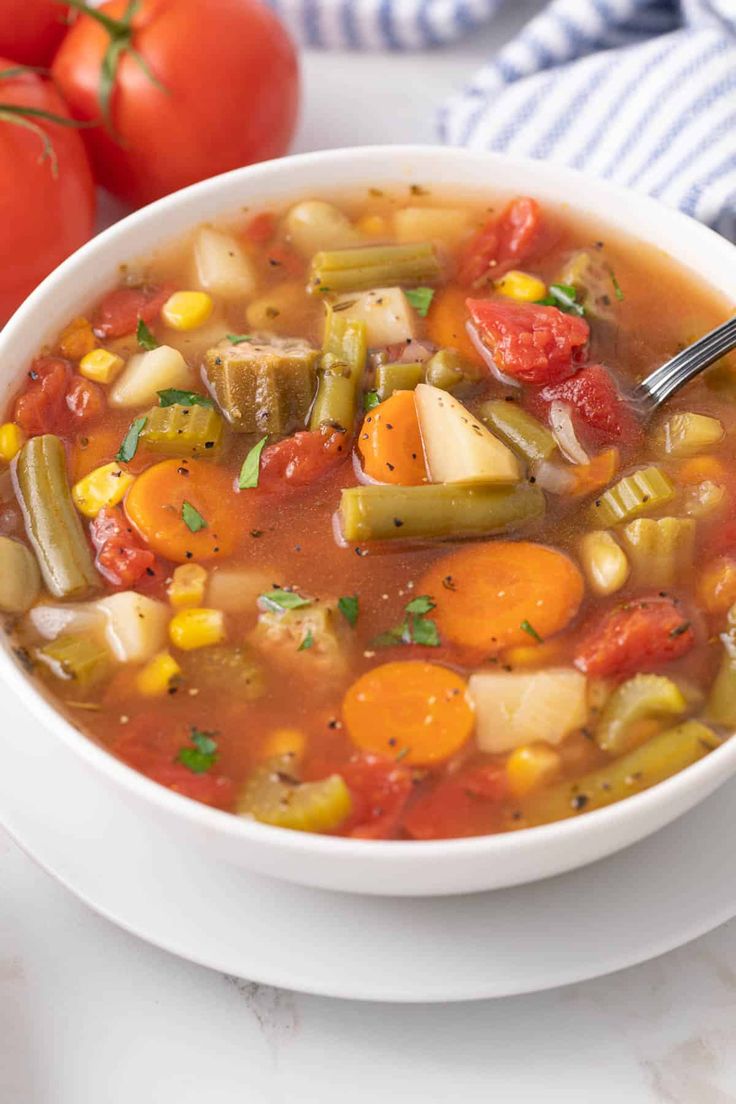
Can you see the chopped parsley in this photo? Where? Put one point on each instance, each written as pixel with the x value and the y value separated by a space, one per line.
pixel 279 600
pixel 129 445
pixel 349 607
pixel 251 468
pixel 202 755
pixel 421 605
pixel 307 642
pixel 527 627
pixel 421 299
pixel 370 399
pixel 564 297
pixel 416 628
pixel 192 518
pixel 172 396
pixel 144 337
pixel 424 631
pixel 617 288
pixel 238 339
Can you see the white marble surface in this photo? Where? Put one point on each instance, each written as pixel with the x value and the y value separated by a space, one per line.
pixel 91 1015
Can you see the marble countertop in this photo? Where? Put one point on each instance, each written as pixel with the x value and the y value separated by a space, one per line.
pixel 92 1015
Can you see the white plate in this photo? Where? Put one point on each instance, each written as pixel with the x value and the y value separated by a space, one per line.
pixel 672 887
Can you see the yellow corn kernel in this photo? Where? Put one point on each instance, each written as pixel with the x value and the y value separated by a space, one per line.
pixel 373 226
pixel 158 676
pixel 187 586
pixel 197 628
pixel 530 767
pixel 186 310
pixel 283 741
pixel 12 439
pixel 521 286
pixel 605 563
pixel 101 365
pixel 105 486
pixel 77 339
pixel 535 655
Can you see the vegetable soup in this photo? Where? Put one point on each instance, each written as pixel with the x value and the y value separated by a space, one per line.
pixel 338 517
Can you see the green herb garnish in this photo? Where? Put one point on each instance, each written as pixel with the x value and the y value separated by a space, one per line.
pixel 421 604
pixel 416 628
pixel 527 627
pixel 238 339
pixel 192 518
pixel 564 297
pixel 251 468
pixel 370 399
pixel 129 446
pixel 307 642
pixel 202 755
pixel 421 299
pixel 424 631
pixel 145 338
pixel 349 607
pixel 617 288
pixel 172 396
pixel 279 600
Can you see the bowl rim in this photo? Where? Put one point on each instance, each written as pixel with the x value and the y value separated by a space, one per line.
pixel 715 767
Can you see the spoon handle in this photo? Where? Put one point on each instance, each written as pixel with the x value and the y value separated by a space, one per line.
pixel 664 381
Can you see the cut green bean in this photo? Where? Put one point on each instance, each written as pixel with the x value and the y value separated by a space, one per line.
pixel 436 510
pixel 659 758
pixel 448 368
pixel 51 521
pixel 640 698
pixel 642 492
pixel 397 377
pixel 20 579
pixel 78 659
pixel 178 430
pixel 373 266
pixel 721 706
pixel 660 551
pixel 519 430
pixel 341 373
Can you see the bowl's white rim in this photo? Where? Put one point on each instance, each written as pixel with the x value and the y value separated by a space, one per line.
pixel 708 772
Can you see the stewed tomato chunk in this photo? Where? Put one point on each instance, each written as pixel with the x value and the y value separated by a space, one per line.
pixel 531 343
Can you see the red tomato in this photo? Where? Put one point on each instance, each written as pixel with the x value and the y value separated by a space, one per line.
pixel 121 557
pixel 224 95
pixel 534 344
pixel 120 312
pixel 261 228
pixel 47 204
pixel 502 243
pixel 31 30
pixel 380 789
pixel 41 408
pixel 85 400
pixel 635 637
pixel 298 461
pixel 461 805
pixel 596 401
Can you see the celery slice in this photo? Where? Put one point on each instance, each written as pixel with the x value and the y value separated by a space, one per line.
pixel 275 796
pixel 178 430
pixel 78 659
pixel 687 434
pixel 660 551
pixel 639 698
pixel 642 492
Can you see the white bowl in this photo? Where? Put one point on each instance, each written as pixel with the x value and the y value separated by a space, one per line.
pixel 393 867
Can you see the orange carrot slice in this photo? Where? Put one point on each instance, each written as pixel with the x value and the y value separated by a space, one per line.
pixel 446 323
pixel 418 711
pixel 503 593
pixel 390 443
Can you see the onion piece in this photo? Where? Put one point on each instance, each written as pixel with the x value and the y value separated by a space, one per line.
pixel 553 477
pixel 563 431
pixel 82 618
pixel 487 356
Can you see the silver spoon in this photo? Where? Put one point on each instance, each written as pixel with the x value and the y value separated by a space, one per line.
pixel 664 381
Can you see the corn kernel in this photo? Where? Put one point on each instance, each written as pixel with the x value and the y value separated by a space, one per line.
pixel 77 339
pixel 530 767
pixel 105 486
pixel 521 286
pixel 373 226
pixel 187 586
pixel 605 563
pixel 197 628
pixel 547 654
pixel 283 741
pixel 12 439
pixel 186 310
pixel 101 365
pixel 158 676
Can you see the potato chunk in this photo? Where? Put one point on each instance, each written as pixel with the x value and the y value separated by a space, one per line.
pixel 518 707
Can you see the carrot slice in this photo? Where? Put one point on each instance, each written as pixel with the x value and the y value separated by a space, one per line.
pixel 416 710
pixel 503 593
pixel 390 443
pixel 155 506
pixel 598 473
pixel 446 323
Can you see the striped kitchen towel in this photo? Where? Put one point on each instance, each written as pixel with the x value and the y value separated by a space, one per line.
pixel 640 91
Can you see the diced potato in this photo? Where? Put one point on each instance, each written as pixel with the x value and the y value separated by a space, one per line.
pixel 458 448
pixel 148 373
pixel 515 708
pixel 222 266
pixel 445 224
pixel 237 590
pixel 313 225
pixel 389 318
pixel 135 628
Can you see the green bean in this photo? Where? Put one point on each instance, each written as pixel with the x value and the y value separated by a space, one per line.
pixel 639 493
pixel 436 510
pixel 448 368
pixel 638 699
pixel 341 373
pixel 373 266
pixel 659 758
pixel 397 377
pixel 178 430
pixel 721 706
pixel 20 580
pixel 52 524
pixel 519 430
pixel 661 551
pixel 78 659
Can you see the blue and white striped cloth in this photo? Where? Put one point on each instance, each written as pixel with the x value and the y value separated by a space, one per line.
pixel 640 91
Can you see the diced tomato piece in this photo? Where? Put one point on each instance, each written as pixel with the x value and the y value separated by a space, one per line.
pixel 85 400
pixel 281 256
pixel 121 557
pixel 635 637
pixel 380 789
pixel 150 745
pixel 721 539
pixel 261 227
pixel 300 460
pixel 119 312
pixel 462 805
pixel 596 401
pixel 42 408
pixel 532 343
pixel 502 243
